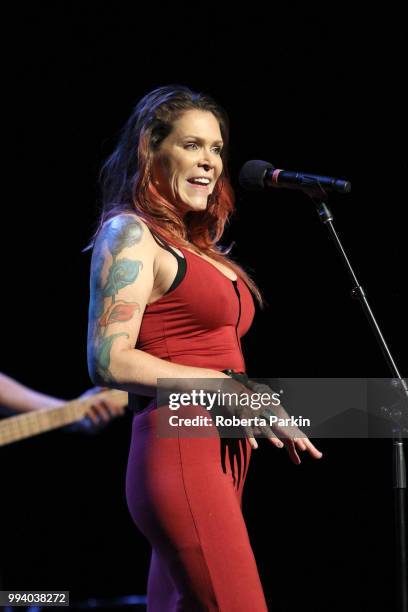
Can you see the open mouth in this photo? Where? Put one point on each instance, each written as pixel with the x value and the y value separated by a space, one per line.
pixel 199 183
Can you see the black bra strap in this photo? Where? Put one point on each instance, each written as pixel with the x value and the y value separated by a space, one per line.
pixel 166 246
pixel 181 263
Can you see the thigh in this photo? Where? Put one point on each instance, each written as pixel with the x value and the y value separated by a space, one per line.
pixel 185 494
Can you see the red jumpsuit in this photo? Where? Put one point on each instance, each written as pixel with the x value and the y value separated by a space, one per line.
pixel 185 494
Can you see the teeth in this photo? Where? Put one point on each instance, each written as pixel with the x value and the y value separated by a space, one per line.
pixel 202 181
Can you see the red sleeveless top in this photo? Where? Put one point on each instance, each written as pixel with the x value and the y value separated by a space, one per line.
pixel 199 323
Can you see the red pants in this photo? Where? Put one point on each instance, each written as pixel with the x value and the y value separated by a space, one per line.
pixel 185 496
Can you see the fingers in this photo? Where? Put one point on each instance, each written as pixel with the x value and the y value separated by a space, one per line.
pixel 115 409
pixel 304 444
pixel 313 451
pixel 291 448
pixel 292 438
pixel 266 432
pixel 92 414
pixel 99 411
pixel 253 443
pixel 299 443
pixel 291 443
pixel 269 435
pixel 250 435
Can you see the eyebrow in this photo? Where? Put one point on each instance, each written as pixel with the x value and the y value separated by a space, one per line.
pixel 220 142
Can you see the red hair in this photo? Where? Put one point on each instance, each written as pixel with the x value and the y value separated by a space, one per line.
pixel 127 185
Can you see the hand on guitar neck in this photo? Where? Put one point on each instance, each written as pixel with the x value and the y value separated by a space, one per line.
pixel 102 410
pixel 37 412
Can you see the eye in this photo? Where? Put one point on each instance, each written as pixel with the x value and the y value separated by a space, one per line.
pixel 218 150
pixel 189 145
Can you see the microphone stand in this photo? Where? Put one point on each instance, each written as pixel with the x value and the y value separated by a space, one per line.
pixel 399 469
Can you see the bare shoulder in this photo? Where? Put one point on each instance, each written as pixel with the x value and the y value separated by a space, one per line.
pixel 124 231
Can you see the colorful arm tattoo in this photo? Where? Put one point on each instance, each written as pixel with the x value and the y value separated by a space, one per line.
pixel 119 234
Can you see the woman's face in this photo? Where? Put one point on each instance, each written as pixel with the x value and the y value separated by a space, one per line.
pixel 188 162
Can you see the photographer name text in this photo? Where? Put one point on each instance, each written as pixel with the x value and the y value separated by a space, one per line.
pixel 234 421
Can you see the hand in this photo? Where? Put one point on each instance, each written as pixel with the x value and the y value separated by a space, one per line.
pixel 101 411
pixel 289 436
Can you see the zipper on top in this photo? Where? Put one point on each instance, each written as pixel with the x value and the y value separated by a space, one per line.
pixel 235 283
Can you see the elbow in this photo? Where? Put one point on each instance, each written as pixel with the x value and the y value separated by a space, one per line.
pixel 107 368
pixel 100 375
pixel 97 379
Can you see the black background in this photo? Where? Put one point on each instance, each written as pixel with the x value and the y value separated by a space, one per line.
pixel 307 89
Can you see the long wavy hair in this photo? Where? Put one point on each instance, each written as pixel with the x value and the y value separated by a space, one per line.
pixel 127 186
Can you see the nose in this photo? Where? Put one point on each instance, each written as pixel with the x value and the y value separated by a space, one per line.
pixel 208 161
pixel 206 166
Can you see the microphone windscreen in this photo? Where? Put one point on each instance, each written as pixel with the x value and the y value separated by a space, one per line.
pixel 253 173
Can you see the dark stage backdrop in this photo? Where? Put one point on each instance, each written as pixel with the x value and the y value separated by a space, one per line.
pixel 309 90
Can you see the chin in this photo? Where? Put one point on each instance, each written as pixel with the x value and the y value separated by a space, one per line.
pixel 195 207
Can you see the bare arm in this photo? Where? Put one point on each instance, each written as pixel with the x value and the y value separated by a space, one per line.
pixel 15 397
pixel 122 279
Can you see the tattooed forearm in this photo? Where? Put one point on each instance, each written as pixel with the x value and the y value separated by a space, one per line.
pixel 120 233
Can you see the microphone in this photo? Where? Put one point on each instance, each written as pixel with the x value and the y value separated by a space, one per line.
pixel 257 175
